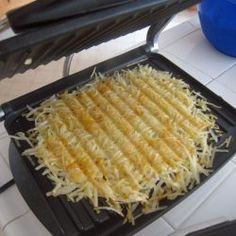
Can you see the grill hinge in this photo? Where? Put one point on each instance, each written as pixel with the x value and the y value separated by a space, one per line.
pixel 154 33
pixel 2 114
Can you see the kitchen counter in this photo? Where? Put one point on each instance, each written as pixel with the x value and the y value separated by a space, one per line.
pixel 213 202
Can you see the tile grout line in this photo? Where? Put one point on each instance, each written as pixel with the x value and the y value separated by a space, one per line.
pixel 168 223
pixel 196 27
pixel 210 83
pixel 232 161
pixel 183 36
pixel 186 63
pixel 227 69
pixel 14 219
pixel 1 154
pixel 4 160
pixel 224 85
pixel 211 193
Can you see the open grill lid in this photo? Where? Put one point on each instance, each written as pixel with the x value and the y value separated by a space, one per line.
pixel 42 45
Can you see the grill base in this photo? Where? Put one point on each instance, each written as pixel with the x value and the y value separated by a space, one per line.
pixel 63 218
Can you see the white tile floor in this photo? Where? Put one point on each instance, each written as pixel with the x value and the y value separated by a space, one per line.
pixel 188 49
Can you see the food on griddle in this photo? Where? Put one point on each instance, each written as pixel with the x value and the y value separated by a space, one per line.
pixel 126 140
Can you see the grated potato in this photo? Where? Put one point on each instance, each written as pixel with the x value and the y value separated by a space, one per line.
pixel 132 138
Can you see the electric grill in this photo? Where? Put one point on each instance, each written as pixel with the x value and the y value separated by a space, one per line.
pixel 51 42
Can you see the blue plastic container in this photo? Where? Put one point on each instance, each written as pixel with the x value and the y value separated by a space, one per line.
pixel 218 21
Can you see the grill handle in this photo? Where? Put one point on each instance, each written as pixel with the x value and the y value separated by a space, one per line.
pixel 42 13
